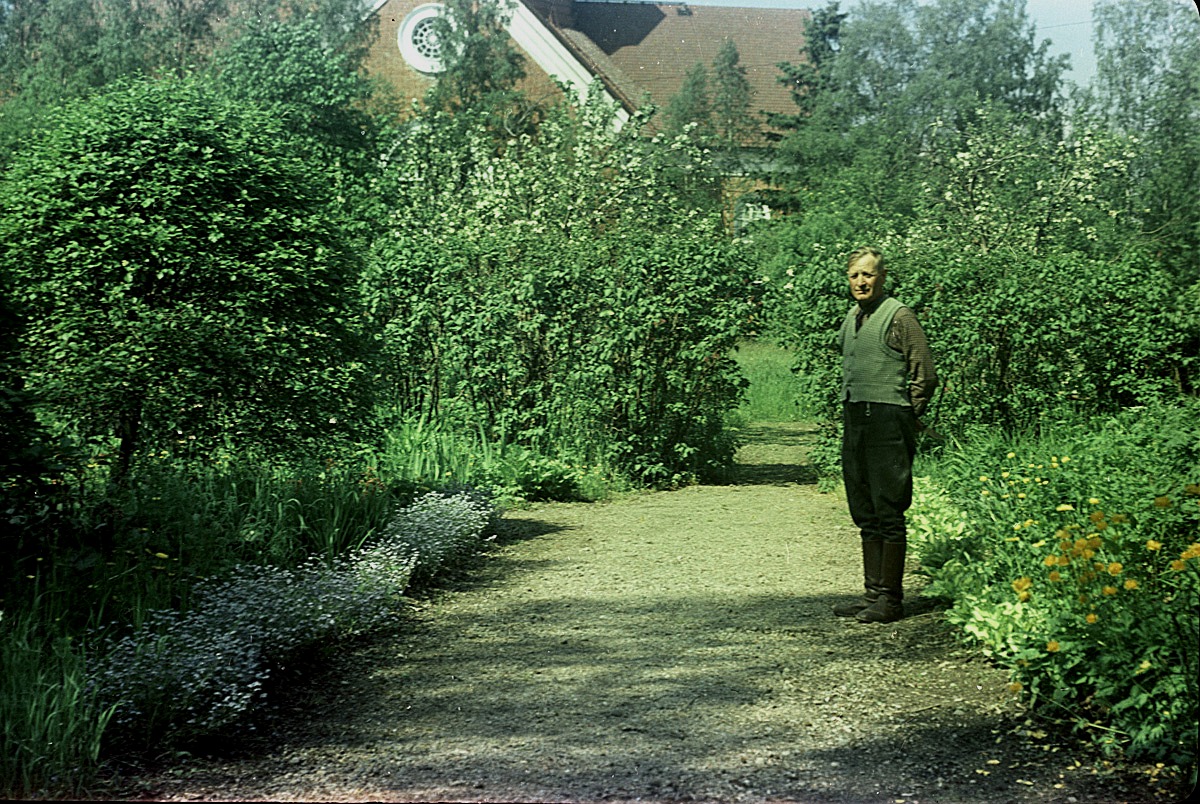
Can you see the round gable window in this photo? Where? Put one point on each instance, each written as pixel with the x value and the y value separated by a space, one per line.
pixel 418 38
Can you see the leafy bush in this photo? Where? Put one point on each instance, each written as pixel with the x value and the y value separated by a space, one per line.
pixel 561 295
pixel 180 274
pixel 1072 557
pixel 1038 298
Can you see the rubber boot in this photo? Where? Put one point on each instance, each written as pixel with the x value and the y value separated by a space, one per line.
pixel 888 607
pixel 872 580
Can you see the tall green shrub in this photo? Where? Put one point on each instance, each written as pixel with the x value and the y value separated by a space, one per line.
pixel 1036 298
pixel 562 293
pixel 180 274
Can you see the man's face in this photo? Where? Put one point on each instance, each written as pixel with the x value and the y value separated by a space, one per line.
pixel 866 281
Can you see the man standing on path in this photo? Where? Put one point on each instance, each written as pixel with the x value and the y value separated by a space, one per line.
pixel 888 379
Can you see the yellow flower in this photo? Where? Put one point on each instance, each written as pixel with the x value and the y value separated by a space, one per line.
pixel 1011 455
pixel 985 492
pixel 1016 686
pixel 1021 496
pixel 1131 584
pixel 1110 590
pixel 1091 619
pixel 1093 501
pixel 1052 646
pixel 1144 666
pixel 1005 474
pixel 1119 519
pixel 1087 553
pixel 1153 545
pixel 1115 568
pixel 1096 516
pixel 1021 584
pixel 1192 489
pixel 1065 507
pixel 1055 576
pixel 1162 502
pixel 1178 565
pixel 983 478
pixel 1050 561
pixel 1065 459
pixel 1023 596
pixel 161 555
pixel 1064 561
pixel 1094 542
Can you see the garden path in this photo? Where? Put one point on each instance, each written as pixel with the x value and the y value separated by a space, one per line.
pixel 662 647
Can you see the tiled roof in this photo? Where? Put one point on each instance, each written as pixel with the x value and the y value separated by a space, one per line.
pixel 651 46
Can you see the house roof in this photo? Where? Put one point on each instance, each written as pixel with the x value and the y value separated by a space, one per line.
pixel 648 47
pixel 638 50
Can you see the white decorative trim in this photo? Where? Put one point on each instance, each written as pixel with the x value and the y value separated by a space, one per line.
pixel 417 39
pixel 540 43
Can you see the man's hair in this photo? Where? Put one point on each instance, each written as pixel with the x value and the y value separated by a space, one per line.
pixel 867 253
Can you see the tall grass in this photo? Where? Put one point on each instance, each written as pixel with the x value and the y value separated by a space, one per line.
pixel 775 393
pixel 50 723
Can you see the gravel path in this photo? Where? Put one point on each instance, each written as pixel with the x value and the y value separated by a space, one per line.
pixel 663 647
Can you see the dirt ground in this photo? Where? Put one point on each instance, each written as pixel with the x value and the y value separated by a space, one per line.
pixel 664 647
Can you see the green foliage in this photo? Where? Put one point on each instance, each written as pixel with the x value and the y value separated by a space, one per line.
pixel 733 122
pixel 774 391
pixel 714 106
pixel 50 722
pixel 809 80
pixel 311 87
pixel 562 294
pixel 25 454
pixel 180 275
pixel 899 79
pixel 1072 557
pixel 57 50
pixel 319 98
pixel 1012 266
pixel 691 106
pixel 1149 92
pixel 482 67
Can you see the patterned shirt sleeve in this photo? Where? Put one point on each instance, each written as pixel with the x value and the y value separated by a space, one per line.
pixel 907 337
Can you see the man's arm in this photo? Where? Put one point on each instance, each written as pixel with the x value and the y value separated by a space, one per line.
pixel 907 337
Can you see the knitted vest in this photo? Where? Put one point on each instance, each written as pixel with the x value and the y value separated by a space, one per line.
pixel 872 371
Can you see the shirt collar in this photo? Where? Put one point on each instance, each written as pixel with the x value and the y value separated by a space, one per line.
pixel 871 307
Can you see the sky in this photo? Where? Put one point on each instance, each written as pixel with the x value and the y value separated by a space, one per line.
pixel 1066 23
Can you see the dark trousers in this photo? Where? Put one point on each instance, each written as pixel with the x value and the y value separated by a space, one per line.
pixel 878 445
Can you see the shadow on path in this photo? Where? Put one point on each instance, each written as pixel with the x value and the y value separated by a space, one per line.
pixel 665 647
pixel 774 453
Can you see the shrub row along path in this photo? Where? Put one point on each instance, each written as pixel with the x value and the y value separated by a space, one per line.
pixel 665 647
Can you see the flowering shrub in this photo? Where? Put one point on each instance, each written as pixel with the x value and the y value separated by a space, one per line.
pixel 564 293
pixel 440 527
pixel 1079 569
pixel 181 674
